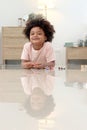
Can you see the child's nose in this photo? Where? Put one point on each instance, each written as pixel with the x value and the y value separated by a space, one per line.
pixel 35 34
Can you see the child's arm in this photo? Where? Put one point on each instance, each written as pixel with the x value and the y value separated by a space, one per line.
pixel 50 64
pixel 43 66
pixel 27 64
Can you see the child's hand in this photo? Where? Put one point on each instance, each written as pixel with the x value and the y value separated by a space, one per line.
pixel 38 66
pixel 28 65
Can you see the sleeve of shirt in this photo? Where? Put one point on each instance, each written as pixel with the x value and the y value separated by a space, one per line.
pixel 25 52
pixel 50 55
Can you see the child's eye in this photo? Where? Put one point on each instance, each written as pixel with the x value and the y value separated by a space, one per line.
pixel 32 34
pixel 40 33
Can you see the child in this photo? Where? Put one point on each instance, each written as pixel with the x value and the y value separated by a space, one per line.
pixel 38 52
pixel 38 87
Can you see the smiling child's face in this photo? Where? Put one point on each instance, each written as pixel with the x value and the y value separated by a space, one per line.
pixel 37 102
pixel 37 37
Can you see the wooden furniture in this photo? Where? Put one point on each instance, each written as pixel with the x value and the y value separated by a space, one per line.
pixel 76 53
pixel 13 40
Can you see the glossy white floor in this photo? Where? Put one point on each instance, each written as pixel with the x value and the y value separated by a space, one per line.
pixel 43 99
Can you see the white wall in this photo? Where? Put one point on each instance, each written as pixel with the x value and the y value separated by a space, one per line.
pixel 69 18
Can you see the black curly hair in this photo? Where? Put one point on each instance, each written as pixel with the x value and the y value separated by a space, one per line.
pixel 43 112
pixel 41 22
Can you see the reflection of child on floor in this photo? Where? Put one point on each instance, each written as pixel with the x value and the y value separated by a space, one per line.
pixel 38 52
pixel 39 89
